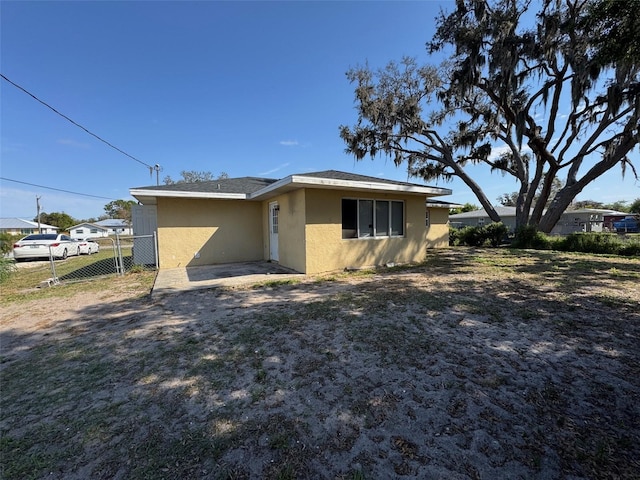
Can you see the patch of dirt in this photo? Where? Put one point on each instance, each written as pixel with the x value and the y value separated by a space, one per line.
pixel 477 364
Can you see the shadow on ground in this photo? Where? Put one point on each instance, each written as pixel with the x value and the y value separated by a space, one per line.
pixel 477 364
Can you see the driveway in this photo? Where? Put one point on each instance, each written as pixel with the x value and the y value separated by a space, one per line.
pixel 173 280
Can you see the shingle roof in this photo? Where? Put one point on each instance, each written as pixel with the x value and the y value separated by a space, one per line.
pixel 254 188
pixel 224 185
pixel 253 184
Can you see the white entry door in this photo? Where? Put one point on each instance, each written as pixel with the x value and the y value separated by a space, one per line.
pixel 274 210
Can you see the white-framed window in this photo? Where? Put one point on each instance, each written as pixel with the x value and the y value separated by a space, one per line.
pixel 427 221
pixel 364 218
pixel 94 230
pixel 79 231
pixel 275 211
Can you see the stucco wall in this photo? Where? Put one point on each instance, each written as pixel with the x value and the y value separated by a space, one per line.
pixel 221 231
pixel 327 251
pixel 291 231
pixel 438 230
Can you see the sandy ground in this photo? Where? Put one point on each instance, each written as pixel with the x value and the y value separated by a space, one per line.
pixel 478 365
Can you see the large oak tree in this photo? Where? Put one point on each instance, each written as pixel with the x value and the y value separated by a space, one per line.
pixel 555 96
pixel 119 209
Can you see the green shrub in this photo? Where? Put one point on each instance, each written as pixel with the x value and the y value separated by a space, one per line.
pixel 590 243
pixel 453 236
pixel 7 241
pixel 630 249
pixel 492 234
pixel 607 243
pixel 495 233
pixel 528 236
pixel 7 267
pixel 471 236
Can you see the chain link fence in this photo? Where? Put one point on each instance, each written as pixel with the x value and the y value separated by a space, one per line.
pixel 106 256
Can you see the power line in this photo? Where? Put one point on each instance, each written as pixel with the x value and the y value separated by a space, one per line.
pixel 77 124
pixel 56 189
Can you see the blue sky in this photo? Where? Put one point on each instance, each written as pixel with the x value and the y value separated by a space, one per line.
pixel 246 88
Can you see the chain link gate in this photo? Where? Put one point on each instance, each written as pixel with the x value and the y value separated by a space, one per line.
pixel 109 256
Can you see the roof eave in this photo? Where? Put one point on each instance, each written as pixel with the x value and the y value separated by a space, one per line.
pixel 301 181
pixel 94 225
pixel 292 182
pixel 148 197
pixel 443 205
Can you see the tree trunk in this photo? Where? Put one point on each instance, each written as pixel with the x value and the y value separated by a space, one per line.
pixel 558 206
pixel 475 188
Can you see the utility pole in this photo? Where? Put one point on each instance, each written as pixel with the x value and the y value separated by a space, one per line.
pixel 157 168
pixel 38 210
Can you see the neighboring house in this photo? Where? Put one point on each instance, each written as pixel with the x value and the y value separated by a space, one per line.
pixel 479 218
pixel 88 230
pixel 18 226
pixel 582 220
pixel 311 223
pixel 116 226
pixel 571 221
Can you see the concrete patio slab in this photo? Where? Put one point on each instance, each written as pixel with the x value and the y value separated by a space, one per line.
pixel 174 280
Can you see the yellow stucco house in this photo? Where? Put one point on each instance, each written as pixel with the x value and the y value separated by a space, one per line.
pixel 311 222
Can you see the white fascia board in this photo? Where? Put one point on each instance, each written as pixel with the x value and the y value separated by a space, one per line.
pixel 183 194
pixel 271 188
pixel 303 181
pixel 442 205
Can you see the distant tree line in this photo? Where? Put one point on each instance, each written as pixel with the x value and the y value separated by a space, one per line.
pixel 116 209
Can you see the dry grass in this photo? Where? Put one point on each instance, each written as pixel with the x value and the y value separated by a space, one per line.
pixel 476 364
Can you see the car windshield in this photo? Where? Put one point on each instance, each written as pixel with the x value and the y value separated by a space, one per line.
pixel 41 236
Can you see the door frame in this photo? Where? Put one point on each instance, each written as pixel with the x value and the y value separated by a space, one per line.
pixel 274 213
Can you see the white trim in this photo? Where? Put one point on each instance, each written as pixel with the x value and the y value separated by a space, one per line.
pixel 375 236
pixel 270 188
pixel 443 205
pixel 274 246
pixel 186 194
pixel 304 181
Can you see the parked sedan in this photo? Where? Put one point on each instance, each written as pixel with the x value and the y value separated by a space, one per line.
pixel 627 225
pixel 42 245
pixel 87 246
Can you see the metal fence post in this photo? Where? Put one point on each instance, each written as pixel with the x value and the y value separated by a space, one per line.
pixel 52 263
pixel 155 246
pixel 120 259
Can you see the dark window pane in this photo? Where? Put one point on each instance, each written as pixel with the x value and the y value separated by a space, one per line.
pixel 365 220
pixel 382 219
pixel 349 218
pixel 397 218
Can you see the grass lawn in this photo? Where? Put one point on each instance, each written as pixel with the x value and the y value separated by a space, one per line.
pixel 476 364
pixel 26 284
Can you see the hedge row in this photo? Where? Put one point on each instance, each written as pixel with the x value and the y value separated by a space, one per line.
pixel 492 235
pixel 496 234
pixel 591 242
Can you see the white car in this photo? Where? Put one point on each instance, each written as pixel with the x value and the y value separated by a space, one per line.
pixel 42 245
pixel 87 246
